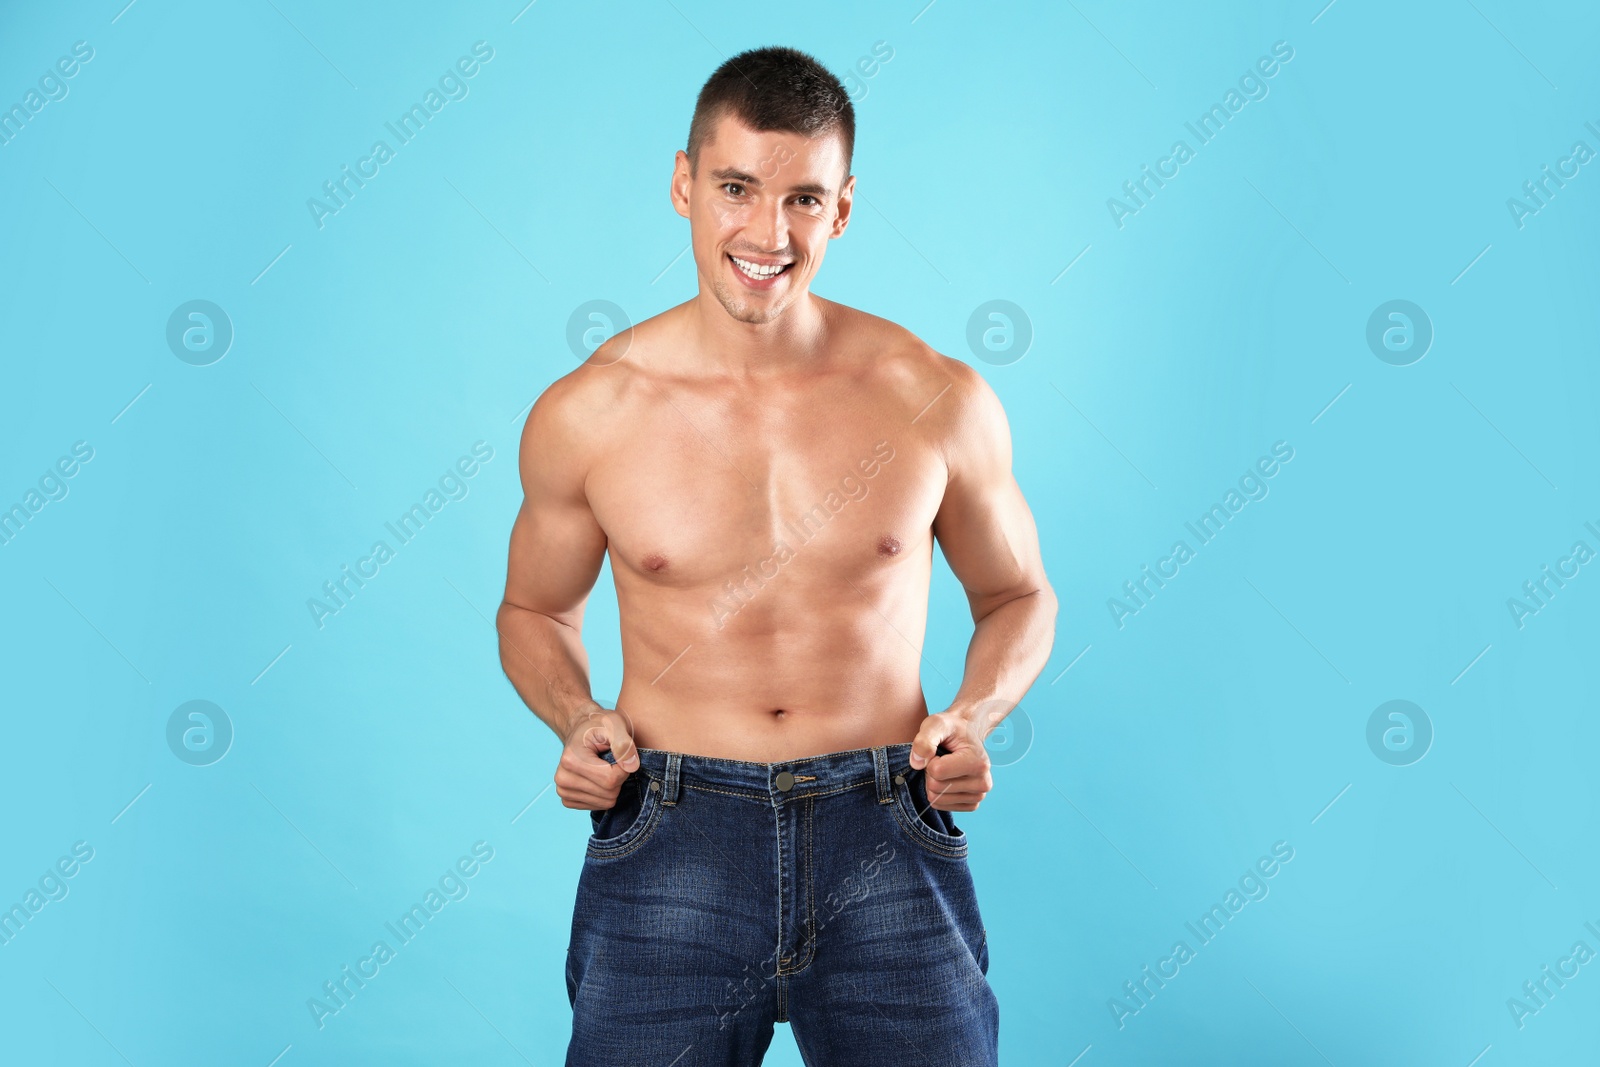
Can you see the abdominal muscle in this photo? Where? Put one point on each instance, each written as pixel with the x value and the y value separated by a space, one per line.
pixel 792 674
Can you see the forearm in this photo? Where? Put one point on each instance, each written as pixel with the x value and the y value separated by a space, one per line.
pixel 1009 648
pixel 546 663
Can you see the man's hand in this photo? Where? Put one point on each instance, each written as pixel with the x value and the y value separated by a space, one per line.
pixel 585 779
pixel 959 779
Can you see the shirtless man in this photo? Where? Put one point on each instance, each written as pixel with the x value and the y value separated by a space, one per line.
pixel 768 470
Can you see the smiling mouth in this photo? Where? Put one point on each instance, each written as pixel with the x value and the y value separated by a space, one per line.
pixel 759 272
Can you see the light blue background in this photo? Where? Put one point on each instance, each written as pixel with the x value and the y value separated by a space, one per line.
pixel 1225 316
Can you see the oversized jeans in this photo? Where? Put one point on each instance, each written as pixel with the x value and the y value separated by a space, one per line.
pixel 719 897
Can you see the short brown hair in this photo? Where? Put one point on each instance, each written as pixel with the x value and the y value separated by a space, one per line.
pixel 774 89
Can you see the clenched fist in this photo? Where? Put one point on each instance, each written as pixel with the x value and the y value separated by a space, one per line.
pixel 584 778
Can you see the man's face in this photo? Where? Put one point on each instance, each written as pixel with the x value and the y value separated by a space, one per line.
pixel 762 207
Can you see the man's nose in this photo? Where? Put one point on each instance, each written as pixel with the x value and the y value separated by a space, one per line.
pixel 768 227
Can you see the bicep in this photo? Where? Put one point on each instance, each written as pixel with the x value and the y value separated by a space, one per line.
pixel 557 546
pixel 984 525
pixel 988 537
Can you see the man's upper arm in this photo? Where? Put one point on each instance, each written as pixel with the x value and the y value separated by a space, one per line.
pixel 984 525
pixel 557 546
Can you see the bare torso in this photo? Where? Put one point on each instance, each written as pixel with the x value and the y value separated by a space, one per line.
pixel 770 538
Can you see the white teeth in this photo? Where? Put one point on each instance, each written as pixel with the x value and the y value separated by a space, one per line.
pixel 758 270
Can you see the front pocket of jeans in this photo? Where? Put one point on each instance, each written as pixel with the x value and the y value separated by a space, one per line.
pixel 627 823
pixel 930 827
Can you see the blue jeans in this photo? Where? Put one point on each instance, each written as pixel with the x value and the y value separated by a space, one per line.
pixel 719 897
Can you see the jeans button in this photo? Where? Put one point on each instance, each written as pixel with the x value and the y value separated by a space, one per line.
pixel 899 779
pixel 784 781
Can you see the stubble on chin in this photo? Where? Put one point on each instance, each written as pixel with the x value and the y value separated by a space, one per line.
pixel 741 311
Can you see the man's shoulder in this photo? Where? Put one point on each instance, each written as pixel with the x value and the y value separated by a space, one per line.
pixel 953 390
pixel 882 337
pixel 568 407
pixel 582 403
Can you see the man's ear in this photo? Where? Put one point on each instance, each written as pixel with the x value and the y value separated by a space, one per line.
pixel 846 201
pixel 680 183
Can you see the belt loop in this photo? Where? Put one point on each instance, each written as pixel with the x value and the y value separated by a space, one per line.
pixel 880 767
pixel 669 795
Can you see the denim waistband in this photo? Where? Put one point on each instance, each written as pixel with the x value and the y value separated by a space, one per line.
pixel 781 780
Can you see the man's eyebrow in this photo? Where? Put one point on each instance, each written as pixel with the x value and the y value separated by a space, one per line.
pixel 732 174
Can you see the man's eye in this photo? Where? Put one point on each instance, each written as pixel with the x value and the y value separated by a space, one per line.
pixel 805 198
pixel 733 188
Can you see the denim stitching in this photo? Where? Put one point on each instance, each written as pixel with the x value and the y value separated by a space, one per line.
pixel 684 783
pixel 671 784
pixel 939 844
pixel 777 951
pixel 650 819
pixel 882 780
pixel 811 889
pixel 830 792
pixel 911 810
pixel 918 835
pixel 756 763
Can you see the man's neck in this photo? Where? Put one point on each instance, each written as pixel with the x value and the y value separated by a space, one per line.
pixel 724 345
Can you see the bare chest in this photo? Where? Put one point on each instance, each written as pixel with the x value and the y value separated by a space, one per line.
pixel 699 488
